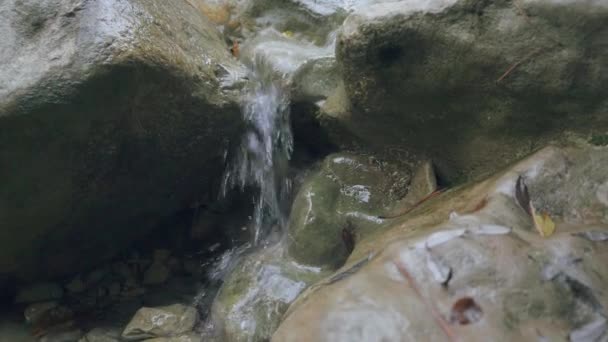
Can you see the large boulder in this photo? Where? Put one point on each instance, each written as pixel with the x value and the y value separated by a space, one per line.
pixel 470 264
pixel 113 116
pixel 474 84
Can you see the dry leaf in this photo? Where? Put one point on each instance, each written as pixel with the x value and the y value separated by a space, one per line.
pixel 234 50
pixel 542 222
pixel 465 311
pixel 288 34
pixel 522 195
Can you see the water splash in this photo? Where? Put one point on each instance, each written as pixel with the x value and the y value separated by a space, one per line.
pixel 261 159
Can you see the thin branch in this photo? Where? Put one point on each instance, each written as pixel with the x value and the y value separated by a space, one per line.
pixel 518 63
pixel 436 315
pixel 416 205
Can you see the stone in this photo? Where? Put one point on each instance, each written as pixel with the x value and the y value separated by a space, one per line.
pixel 76 285
pixel 315 80
pixel 123 271
pixel 101 335
pixel 34 312
pixel 462 81
pixel 49 319
pixel 114 289
pixel 192 337
pixel 341 202
pixel 193 267
pixel 255 294
pixel 13 330
pixel 423 184
pixel 167 321
pixel 96 276
pixel 156 274
pixel 108 91
pixel 161 255
pixel 39 292
pixel 63 336
pixel 175 265
pixel 450 263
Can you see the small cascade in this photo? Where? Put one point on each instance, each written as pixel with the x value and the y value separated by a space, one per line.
pixel 261 159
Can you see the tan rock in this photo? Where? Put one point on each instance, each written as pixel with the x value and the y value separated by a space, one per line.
pixel 167 321
pixel 468 265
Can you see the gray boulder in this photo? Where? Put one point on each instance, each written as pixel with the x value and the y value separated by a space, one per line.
pixel 113 115
pixel 169 321
pixel 474 84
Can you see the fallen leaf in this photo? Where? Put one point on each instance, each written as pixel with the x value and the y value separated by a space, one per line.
pixel 465 311
pixel 542 222
pixel 288 34
pixel 442 237
pixel 490 229
pixel 234 50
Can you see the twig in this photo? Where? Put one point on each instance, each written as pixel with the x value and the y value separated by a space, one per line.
pixel 518 63
pixel 436 315
pixel 417 204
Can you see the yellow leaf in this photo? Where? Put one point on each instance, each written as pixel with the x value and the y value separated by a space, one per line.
pixel 288 34
pixel 543 223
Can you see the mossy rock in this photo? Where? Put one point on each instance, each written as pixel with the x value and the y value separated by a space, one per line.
pixel 340 204
pixel 256 294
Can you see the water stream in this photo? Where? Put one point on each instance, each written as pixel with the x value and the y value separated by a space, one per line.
pixel 261 159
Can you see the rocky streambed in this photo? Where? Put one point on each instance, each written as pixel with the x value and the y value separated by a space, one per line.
pixel 198 170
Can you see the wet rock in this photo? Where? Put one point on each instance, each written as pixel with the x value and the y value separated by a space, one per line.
pixel 315 80
pixel 39 293
pixel 423 184
pixel 477 233
pixel 256 293
pixel 341 203
pixel 192 337
pixel 156 274
pixel 125 273
pixel 461 80
pixel 13 329
pixel 109 91
pixel 101 335
pixel 168 321
pixel 114 289
pixel 34 312
pixel 45 319
pixel 63 336
pixel 193 267
pixel 96 276
pixel 76 285
pixel 175 265
pixel 161 255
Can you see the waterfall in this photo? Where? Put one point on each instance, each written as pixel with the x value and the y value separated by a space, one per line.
pixel 262 157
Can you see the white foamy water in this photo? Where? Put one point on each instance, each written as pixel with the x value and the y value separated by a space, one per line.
pixel 262 157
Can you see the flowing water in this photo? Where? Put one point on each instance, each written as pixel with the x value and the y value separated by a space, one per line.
pixel 262 157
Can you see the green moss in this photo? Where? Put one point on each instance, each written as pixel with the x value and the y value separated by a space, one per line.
pixel 599 139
